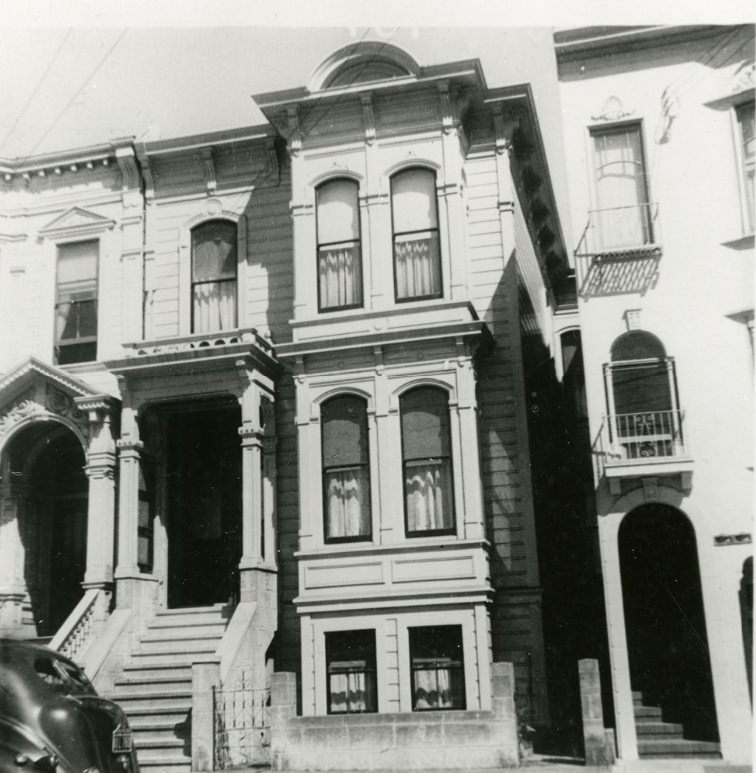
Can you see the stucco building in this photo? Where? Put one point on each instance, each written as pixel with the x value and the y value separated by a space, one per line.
pixel 264 411
pixel 658 128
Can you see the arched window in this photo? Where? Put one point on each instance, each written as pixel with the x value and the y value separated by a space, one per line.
pixel 642 396
pixel 346 473
pixel 427 463
pixel 414 214
pixel 214 283
pixel 339 252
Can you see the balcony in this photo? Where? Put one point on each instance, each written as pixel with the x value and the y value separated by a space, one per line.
pixel 639 445
pixel 619 251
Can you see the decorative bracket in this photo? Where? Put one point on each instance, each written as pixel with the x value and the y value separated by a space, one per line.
pixel 295 131
pixel 368 118
pixel 272 163
pixel 130 185
pixel 208 169
pixel 504 129
pixel 144 162
pixel 446 107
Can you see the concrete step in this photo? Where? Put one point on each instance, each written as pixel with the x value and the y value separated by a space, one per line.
pixel 178 644
pixel 167 702
pixel 650 728
pixel 191 616
pixel 677 747
pixel 158 627
pixel 158 687
pixel 185 656
pixel 140 670
pixel 174 748
pixel 148 720
pixel 148 764
pixel 162 733
pixel 647 712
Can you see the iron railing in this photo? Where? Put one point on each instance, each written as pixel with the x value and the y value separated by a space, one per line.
pixel 639 437
pixel 241 725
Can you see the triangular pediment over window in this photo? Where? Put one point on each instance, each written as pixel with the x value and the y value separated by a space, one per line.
pixel 76 221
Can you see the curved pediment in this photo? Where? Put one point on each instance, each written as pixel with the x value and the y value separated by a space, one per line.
pixel 363 62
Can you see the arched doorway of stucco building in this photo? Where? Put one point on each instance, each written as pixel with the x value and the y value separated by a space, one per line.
pixel 50 488
pixel 664 618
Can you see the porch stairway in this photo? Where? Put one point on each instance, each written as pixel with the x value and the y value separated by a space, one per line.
pixel 155 686
pixel 664 740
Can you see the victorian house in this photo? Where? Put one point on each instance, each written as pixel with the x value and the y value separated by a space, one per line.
pixel 273 402
pixel 659 131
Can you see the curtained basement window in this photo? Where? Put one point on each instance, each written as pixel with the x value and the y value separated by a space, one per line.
pixel 346 474
pixel 437 665
pixel 214 276
pixel 350 665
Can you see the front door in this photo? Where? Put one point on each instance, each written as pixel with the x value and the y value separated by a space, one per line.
pixel 204 500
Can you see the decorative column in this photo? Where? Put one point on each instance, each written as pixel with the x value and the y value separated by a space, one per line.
pixel 255 567
pixel 100 470
pixel 12 584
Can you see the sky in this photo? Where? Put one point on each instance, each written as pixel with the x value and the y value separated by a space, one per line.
pixel 81 72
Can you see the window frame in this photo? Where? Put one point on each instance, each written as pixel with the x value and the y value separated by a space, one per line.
pixel 437 230
pixel 368 537
pixel 618 127
pixel 325 309
pixel 370 668
pixel 460 666
pixel 747 216
pixel 451 530
pixel 196 227
pixel 63 243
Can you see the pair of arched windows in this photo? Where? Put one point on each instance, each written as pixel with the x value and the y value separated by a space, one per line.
pixel 426 465
pixel 417 257
pixel 214 276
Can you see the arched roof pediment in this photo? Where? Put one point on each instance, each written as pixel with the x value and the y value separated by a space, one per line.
pixel 363 62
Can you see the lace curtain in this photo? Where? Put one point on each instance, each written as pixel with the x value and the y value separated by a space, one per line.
pixel 339 277
pixel 428 492
pixel 417 265
pixel 437 688
pixel 214 306
pixel 352 692
pixel 347 494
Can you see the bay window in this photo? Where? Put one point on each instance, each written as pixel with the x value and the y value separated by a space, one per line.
pixel 76 302
pixel 350 667
pixel 214 282
pixel 426 458
pixel 437 668
pixel 346 475
pixel 339 251
pixel 414 214
pixel 623 214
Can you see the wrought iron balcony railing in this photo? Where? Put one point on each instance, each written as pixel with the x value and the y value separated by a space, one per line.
pixel 636 439
pixel 620 231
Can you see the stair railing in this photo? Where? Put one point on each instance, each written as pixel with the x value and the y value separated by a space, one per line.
pixel 79 628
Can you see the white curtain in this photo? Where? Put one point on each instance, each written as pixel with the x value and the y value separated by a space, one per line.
pixel 340 277
pixel 417 265
pixel 214 307
pixel 348 513
pixel 623 219
pixel 435 689
pixel 351 692
pixel 428 491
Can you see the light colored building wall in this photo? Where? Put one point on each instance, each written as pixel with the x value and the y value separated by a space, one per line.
pixel 704 275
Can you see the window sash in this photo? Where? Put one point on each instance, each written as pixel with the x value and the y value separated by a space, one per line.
pixel 437 668
pixel 428 496
pixel 351 672
pixel 214 306
pixel 339 275
pixel 417 265
pixel 76 302
pixel 346 505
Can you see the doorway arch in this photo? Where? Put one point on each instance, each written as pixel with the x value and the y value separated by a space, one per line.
pixel 46 462
pixel 664 618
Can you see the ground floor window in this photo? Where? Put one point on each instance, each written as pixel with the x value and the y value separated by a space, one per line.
pixel 437 666
pixel 350 665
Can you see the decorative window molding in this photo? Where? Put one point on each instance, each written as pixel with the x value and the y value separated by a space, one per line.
pixel 76 223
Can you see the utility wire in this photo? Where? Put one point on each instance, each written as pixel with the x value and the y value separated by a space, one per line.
pixel 36 89
pixel 73 98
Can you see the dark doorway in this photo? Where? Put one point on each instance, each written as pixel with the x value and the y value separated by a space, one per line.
pixel 53 524
pixel 664 618
pixel 204 505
